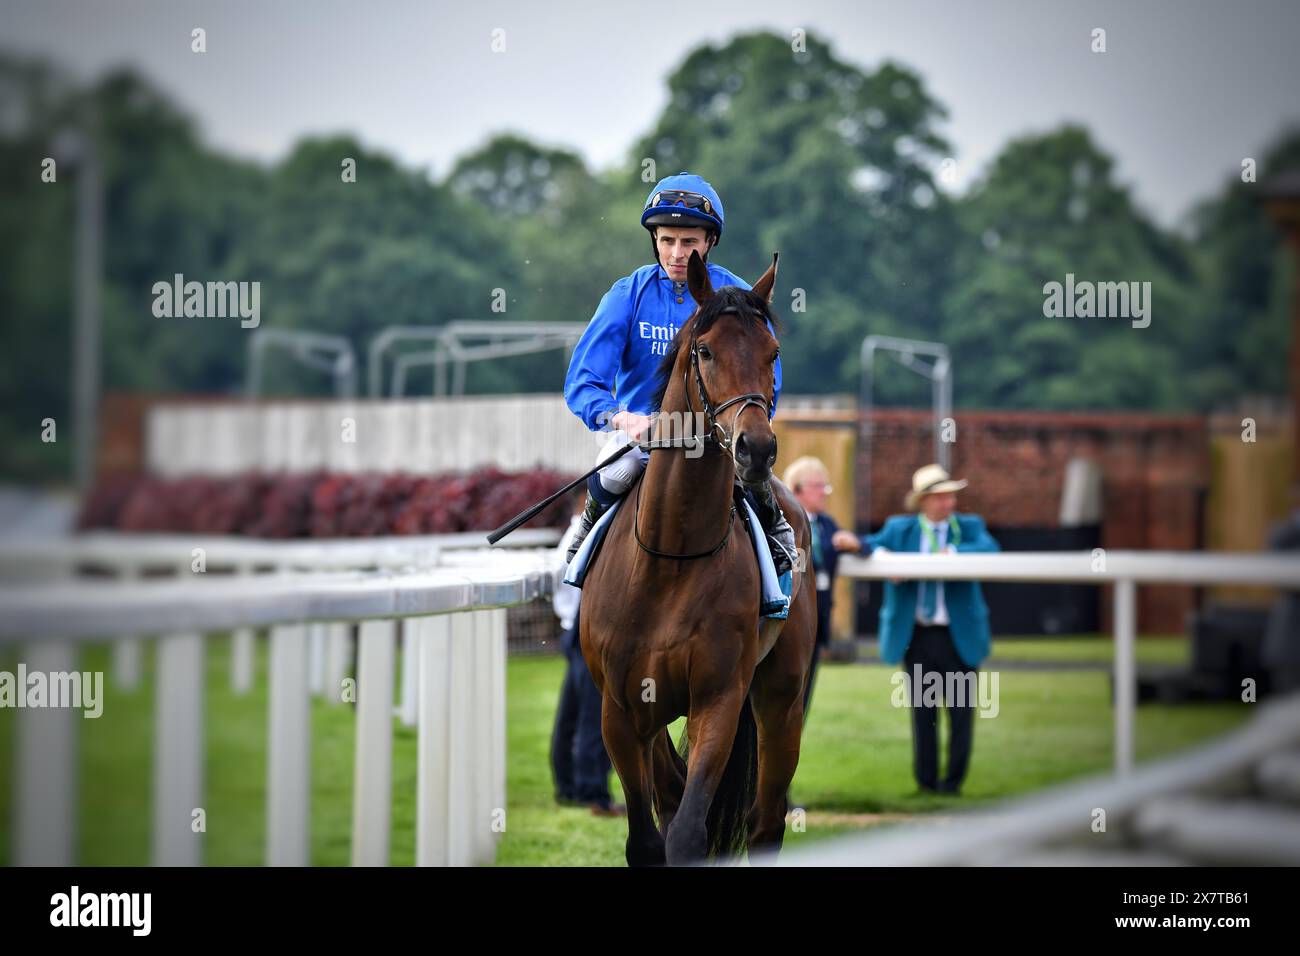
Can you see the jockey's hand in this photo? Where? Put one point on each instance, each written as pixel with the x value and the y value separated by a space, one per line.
pixel 845 541
pixel 635 425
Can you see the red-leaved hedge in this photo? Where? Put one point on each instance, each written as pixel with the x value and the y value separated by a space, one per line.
pixel 323 505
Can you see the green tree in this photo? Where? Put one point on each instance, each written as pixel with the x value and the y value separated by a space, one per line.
pixel 514 177
pixel 1244 318
pixel 35 272
pixel 1049 206
pixel 831 165
pixel 571 234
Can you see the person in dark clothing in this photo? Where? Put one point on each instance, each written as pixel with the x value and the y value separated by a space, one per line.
pixel 1281 651
pixel 808 478
pixel 580 765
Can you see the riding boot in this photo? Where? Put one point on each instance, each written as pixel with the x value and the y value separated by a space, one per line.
pixel 590 515
pixel 780 535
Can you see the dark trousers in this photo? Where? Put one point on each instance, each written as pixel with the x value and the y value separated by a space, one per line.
pixel 932 648
pixel 579 763
pixel 823 641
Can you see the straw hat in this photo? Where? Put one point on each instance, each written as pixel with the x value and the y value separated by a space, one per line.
pixel 930 480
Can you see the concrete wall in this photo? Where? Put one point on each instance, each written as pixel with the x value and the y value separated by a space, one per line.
pixel 514 433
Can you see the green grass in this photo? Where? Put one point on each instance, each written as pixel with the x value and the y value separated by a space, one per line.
pixel 1054 725
pixel 1091 649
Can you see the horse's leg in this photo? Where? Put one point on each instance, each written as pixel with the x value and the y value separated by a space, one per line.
pixel 631 758
pixel 712 728
pixel 777 698
pixel 669 779
pixel 778 711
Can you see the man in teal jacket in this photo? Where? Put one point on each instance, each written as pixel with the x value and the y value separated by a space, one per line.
pixel 935 626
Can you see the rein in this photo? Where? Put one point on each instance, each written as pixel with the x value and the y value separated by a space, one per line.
pixel 636 533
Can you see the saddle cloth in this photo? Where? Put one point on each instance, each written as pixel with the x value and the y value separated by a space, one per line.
pixel 775 592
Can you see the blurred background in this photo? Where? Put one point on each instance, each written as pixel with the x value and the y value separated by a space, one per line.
pixel 408 183
pixel 924 170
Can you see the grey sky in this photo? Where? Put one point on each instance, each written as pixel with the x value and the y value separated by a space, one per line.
pixel 1185 91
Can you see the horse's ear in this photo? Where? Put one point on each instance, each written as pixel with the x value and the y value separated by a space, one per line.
pixel 765 286
pixel 697 279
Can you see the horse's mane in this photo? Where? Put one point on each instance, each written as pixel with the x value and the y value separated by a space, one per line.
pixel 728 299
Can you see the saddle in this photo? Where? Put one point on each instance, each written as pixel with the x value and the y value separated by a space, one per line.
pixel 775 592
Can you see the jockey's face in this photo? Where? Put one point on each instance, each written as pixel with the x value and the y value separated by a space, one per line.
pixel 675 245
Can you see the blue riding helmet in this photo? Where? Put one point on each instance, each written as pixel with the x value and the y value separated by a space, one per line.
pixel 683 200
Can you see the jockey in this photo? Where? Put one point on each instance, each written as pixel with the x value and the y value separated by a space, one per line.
pixel 628 336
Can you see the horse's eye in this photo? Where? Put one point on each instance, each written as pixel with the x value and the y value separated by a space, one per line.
pixel 705 353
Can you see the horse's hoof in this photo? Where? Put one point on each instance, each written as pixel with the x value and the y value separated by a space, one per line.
pixel 651 855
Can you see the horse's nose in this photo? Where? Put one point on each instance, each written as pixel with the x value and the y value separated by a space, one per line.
pixel 755 455
pixel 743 456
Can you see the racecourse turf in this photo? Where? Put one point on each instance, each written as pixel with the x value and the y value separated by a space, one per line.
pixel 1054 724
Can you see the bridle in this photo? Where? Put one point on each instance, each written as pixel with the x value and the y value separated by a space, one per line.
pixel 711 412
pixel 716 433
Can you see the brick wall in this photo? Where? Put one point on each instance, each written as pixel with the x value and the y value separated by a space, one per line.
pixel 1155 474
pixel 122 432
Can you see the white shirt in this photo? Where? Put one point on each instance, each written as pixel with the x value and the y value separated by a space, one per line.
pixel 940 609
pixel 566 599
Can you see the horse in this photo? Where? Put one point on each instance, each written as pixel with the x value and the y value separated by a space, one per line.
pixel 669 620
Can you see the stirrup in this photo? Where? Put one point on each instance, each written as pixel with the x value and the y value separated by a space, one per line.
pixel 780 557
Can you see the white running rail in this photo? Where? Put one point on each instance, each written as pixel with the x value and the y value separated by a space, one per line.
pixel 1232 802
pixel 1123 570
pixel 447 593
pixel 450 594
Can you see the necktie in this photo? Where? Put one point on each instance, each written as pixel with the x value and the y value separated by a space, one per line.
pixel 816 543
pixel 930 589
pixel 929 599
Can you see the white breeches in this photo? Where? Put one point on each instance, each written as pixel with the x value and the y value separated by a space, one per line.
pixel 617 477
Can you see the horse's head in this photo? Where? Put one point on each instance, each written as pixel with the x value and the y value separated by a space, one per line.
pixel 724 362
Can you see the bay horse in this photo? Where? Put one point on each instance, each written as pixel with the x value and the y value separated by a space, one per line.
pixel 669 619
